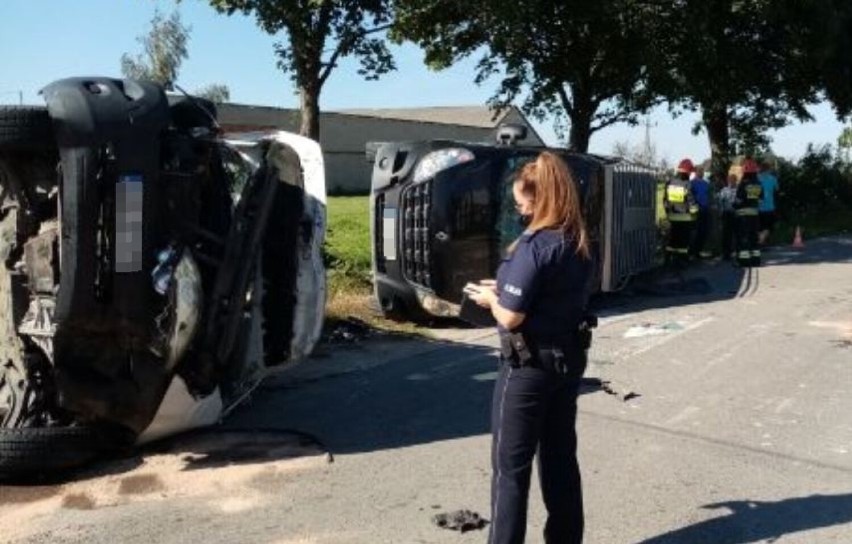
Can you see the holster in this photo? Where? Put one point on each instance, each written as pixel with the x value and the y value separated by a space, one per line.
pixel 519 352
pixel 514 348
pixel 584 330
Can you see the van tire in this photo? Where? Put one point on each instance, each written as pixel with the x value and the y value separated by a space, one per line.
pixel 27 451
pixel 25 128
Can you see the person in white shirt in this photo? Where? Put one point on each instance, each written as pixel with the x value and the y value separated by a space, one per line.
pixel 725 199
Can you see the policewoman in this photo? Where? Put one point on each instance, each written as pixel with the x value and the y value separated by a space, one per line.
pixel 539 300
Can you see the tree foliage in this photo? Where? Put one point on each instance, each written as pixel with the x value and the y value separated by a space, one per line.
pixel 214 92
pixel 163 51
pixel 578 60
pixel 836 62
pixel 746 66
pixel 819 184
pixel 317 34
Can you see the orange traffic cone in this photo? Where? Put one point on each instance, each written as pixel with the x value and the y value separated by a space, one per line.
pixel 797 239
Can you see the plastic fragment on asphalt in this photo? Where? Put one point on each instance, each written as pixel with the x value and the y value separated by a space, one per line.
pixel 651 329
pixel 460 520
pixel 590 385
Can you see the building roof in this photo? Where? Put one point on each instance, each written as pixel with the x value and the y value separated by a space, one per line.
pixel 469 116
pixel 243 117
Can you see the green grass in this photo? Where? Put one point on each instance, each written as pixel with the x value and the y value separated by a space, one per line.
pixel 348 243
pixel 348 261
pixel 836 221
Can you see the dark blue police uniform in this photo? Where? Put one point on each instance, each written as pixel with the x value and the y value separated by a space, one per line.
pixel 535 404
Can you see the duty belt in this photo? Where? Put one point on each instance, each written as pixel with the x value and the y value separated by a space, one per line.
pixel 515 347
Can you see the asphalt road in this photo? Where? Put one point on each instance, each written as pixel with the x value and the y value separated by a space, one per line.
pixel 725 417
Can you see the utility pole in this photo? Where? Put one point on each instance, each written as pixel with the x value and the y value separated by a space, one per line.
pixel 21 98
pixel 647 150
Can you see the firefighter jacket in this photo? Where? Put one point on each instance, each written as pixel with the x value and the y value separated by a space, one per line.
pixel 678 201
pixel 749 193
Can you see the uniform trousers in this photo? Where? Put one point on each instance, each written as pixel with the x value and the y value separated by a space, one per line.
pixel 534 410
pixel 748 251
pixel 680 239
pixel 702 230
pixel 729 224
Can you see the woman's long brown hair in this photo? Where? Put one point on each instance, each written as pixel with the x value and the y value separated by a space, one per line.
pixel 556 200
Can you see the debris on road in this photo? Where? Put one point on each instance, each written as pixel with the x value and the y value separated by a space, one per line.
pixel 460 520
pixel 652 329
pixel 349 331
pixel 588 385
pixel 843 343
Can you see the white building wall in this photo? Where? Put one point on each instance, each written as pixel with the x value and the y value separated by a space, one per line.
pixel 344 138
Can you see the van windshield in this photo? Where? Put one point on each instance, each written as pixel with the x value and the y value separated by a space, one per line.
pixel 508 226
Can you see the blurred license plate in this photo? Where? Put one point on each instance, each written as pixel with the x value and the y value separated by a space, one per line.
pixel 128 223
pixel 389 233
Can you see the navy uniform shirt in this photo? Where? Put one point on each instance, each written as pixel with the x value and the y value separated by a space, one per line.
pixel 547 280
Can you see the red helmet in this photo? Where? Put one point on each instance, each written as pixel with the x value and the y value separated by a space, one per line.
pixel 685 166
pixel 750 166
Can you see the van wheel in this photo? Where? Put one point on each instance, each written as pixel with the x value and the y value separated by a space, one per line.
pixel 25 128
pixel 392 307
pixel 37 450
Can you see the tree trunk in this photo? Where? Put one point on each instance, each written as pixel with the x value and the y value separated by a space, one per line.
pixel 581 113
pixel 309 103
pixel 716 122
pixel 581 130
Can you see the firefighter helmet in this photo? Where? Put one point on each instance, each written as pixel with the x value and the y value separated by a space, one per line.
pixel 750 166
pixel 685 166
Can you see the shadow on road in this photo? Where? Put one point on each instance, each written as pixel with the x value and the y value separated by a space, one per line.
pixel 762 521
pixel 439 395
pixel 698 283
pixel 716 280
pixel 210 447
pixel 442 394
pixel 835 249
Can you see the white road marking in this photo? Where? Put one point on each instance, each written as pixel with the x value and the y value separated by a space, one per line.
pixel 662 340
pixel 683 415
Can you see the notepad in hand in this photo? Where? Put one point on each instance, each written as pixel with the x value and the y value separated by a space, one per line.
pixel 475 314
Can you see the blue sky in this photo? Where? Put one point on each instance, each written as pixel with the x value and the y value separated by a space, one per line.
pixel 45 40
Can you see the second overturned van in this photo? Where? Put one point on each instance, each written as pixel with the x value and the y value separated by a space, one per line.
pixel 442 215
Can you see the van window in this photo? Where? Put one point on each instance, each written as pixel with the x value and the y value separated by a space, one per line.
pixel 508 225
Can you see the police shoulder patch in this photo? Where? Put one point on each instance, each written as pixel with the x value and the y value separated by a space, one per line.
pixel 512 290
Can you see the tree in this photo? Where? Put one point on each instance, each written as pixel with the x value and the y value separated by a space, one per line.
pixel 580 61
pixel 623 149
pixel 164 50
pixel 746 66
pixel 844 144
pixel 836 62
pixel 644 154
pixel 214 92
pixel 351 27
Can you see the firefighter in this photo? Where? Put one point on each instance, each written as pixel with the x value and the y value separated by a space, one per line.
pixel 681 211
pixel 746 206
